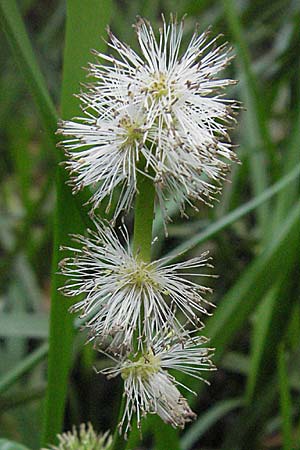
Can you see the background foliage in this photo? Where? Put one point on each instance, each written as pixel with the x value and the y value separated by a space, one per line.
pixel 252 233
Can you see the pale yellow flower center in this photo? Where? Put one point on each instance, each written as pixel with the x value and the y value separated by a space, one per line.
pixel 130 132
pixel 138 275
pixel 159 88
pixel 145 366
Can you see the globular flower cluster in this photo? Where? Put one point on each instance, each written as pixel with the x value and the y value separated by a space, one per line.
pixel 158 114
pixel 83 439
pixel 123 294
pixel 149 387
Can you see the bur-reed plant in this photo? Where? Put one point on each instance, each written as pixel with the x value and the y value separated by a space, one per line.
pixel 265 228
pixel 155 126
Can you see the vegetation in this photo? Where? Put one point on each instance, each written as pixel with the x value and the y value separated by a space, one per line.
pixel 252 233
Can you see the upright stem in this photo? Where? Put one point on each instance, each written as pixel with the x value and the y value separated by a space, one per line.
pixel 143 218
pixel 83 27
pixel 142 239
pixel 119 442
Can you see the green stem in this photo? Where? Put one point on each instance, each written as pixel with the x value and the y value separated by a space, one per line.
pixel 285 399
pixel 119 442
pixel 142 239
pixel 84 25
pixel 143 218
pixel 143 224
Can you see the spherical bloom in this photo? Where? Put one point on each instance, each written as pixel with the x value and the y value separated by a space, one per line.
pixel 149 388
pixel 183 93
pixel 83 439
pixel 106 150
pixel 179 124
pixel 122 294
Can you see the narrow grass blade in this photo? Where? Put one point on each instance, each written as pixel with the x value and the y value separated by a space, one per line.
pixel 254 154
pixel 285 400
pixel 21 324
pixel 207 420
pixel 262 322
pixel 256 128
pixel 272 320
pixel 289 195
pixel 259 183
pixel 293 335
pixel 20 43
pixel 234 215
pixel 272 317
pixel 18 39
pixel 5 444
pixel 242 298
pixel 23 367
pixel 249 435
pixel 23 166
pixel 233 21
pixel 21 397
pixel 85 23
pixel 270 328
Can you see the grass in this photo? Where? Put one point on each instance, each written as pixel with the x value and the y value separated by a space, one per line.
pixel 253 233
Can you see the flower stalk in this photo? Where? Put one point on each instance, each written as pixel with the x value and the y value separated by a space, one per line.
pixel 157 129
pixel 142 239
pixel 118 441
pixel 143 218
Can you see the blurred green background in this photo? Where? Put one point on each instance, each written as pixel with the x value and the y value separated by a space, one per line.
pixel 253 232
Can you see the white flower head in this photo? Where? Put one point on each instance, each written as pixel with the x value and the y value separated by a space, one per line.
pixel 181 95
pixel 178 89
pixel 83 439
pixel 150 388
pixel 164 107
pixel 105 149
pixel 122 294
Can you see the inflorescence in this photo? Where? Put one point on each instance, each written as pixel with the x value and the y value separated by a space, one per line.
pixel 160 115
pixel 85 438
